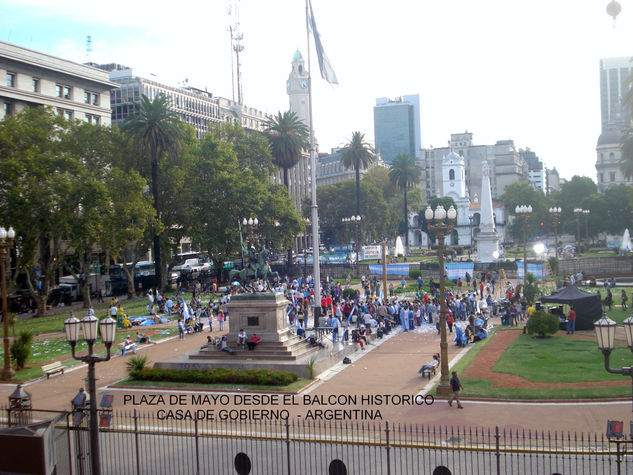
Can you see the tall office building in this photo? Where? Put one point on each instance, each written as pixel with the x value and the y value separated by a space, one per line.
pixel 614 74
pixel 615 118
pixel 397 126
pixel 72 90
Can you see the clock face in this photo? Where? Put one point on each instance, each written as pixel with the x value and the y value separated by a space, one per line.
pixel 303 84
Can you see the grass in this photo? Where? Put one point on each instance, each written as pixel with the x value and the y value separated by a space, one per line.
pixel 482 388
pixel 292 387
pixel 549 360
pixel 559 359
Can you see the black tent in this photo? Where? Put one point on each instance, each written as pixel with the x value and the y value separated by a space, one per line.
pixel 588 306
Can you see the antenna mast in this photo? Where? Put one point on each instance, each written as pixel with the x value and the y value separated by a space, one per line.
pixel 236 47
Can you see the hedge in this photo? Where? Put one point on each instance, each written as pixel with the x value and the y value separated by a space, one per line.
pixel 263 377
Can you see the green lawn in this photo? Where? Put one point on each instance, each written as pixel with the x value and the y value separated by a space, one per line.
pixel 292 387
pixel 482 388
pixel 559 359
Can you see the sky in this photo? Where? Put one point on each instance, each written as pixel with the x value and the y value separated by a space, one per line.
pixel 526 70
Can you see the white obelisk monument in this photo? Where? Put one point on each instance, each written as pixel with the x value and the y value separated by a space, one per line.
pixel 487 239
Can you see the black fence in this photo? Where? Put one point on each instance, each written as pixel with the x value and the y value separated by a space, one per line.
pixel 135 443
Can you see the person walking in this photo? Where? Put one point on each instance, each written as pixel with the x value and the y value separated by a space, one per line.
pixel 181 329
pixel 624 299
pixel 456 386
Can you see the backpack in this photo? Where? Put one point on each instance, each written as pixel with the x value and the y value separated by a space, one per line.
pixel 346 360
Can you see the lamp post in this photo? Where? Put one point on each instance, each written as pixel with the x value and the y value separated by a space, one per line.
pixel 90 325
pixel 6 241
pixel 523 212
pixel 605 333
pixel 555 212
pixel 586 212
pixel 578 213
pixel 348 221
pixel 441 228
pixel 250 225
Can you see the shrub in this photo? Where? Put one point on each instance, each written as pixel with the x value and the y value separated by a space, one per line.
pixel 349 293
pixel 543 324
pixel 415 273
pixel 530 289
pixel 264 377
pixel 136 363
pixel 553 263
pixel 21 348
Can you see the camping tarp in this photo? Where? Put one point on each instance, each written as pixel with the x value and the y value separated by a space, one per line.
pixel 588 306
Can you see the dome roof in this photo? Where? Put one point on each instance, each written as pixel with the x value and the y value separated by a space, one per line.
pixel 453 158
pixel 609 137
pixel 297 56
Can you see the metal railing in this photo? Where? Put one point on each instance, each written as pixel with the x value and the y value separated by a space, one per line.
pixel 139 443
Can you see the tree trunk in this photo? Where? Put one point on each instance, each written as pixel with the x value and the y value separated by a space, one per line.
pixel 406 224
pixel 286 179
pixel 83 283
pixel 41 305
pixel 130 281
pixel 158 268
pixel 289 257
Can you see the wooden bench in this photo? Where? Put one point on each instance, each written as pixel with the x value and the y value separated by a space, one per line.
pixel 431 369
pixel 53 368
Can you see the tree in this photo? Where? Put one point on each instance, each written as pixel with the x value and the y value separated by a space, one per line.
pixel 626 161
pixel 156 132
pixel 251 147
pixel 357 154
pixel 224 193
pixel 570 196
pixel 288 136
pixel 522 193
pixel 405 174
pixel 36 178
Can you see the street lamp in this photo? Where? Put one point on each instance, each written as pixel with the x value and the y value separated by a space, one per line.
pixel 555 212
pixel 523 212
pixel 578 212
pixel 605 333
pixel 348 221
pixel 441 228
pixel 6 241
pixel 586 212
pixel 90 325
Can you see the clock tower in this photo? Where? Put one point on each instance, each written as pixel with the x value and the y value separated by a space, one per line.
pixel 297 88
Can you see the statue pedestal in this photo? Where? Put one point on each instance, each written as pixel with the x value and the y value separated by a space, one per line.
pixel 263 313
pixel 487 244
pixel 279 349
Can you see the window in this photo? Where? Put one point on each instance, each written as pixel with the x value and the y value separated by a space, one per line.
pixel 612 176
pixel 601 178
pixel 451 174
pixel 92 119
pixel 66 114
pixel 91 98
pixel 35 85
pixel 64 92
pixel 612 158
pixel 11 79
pixel 9 108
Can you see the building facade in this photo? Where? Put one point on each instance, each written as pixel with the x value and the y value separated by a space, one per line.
pixel 615 119
pixel 505 162
pixel 72 90
pixel 397 127
pixel 193 106
pixel 330 169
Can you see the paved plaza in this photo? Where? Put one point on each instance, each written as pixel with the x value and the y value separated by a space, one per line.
pixel 389 367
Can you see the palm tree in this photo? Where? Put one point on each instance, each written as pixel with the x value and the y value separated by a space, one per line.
pixel 155 130
pixel 404 174
pixel 357 154
pixel 288 136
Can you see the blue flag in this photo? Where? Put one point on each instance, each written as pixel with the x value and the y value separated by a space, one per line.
pixel 327 72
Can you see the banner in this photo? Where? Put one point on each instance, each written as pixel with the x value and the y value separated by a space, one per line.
pixel 459 269
pixel 392 269
pixel 539 270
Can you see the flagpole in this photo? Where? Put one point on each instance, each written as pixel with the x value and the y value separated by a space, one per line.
pixel 315 211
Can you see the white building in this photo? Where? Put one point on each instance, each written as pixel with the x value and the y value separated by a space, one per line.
pixel 73 90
